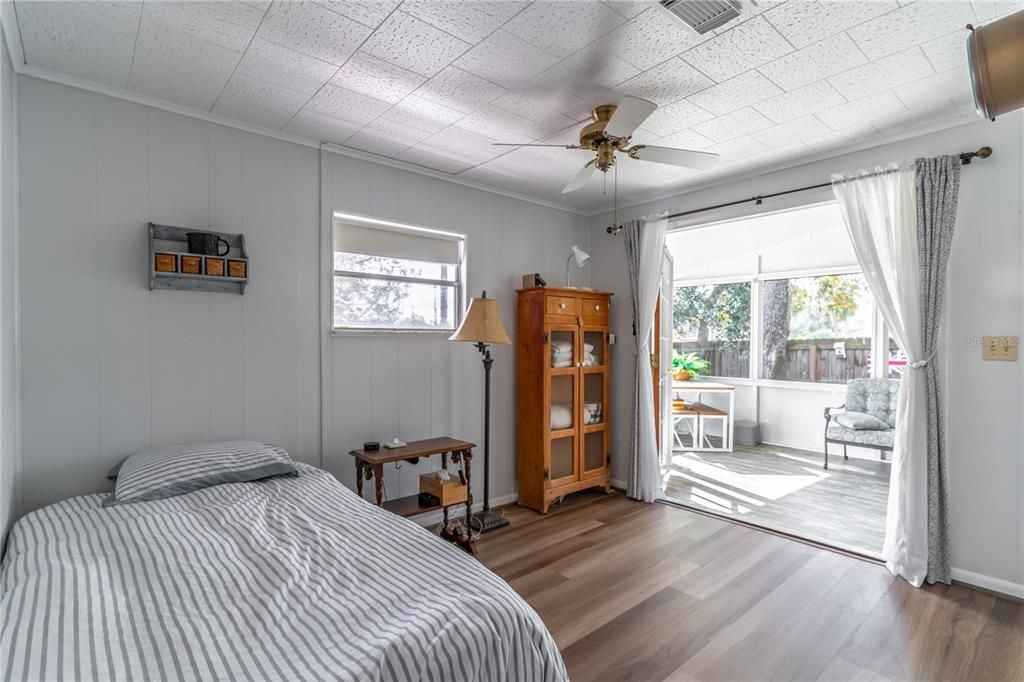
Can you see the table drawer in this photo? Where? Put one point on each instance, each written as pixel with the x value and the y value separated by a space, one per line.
pixel 594 310
pixel 562 305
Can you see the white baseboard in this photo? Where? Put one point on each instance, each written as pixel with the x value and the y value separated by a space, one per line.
pixel 435 517
pixel 1010 589
pixel 616 483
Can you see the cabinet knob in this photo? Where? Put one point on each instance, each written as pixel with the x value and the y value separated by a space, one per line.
pixel 562 306
pixel 597 307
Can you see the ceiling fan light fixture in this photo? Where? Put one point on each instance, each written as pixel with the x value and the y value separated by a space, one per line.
pixel 702 15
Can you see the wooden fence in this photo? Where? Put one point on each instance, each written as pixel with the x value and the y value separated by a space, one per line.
pixel 815 360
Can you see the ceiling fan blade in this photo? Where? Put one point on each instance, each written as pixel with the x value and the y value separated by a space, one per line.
pixel 581 177
pixel 629 114
pixel 517 144
pixel 685 158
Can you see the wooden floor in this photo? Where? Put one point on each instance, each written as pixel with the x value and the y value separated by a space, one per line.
pixel 633 591
pixel 788 490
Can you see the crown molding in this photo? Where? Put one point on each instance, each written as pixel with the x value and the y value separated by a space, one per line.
pixel 72 81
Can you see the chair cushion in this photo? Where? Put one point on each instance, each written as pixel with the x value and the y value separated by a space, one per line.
pixel 860 421
pixel 860 436
pixel 876 397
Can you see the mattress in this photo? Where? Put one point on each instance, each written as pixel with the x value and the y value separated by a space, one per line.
pixel 287 578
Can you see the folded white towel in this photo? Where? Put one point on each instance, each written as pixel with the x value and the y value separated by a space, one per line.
pixel 589 360
pixel 561 363
pixel 561 344
pixel 588 347
pixel 561 417
pixel 567 353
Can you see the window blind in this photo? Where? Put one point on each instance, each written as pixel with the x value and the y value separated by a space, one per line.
pixel 393 242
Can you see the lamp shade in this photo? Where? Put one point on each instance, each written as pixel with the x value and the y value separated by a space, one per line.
pixel 482 323
pixel 580 256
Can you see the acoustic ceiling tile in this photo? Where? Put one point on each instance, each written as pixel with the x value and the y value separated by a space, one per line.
pixel 865 110
pixel 506 60
pixel 629 8
pixel 947 52
pixel 415 45
pixel 560 28
pixel 736 93
pixel 465 145
pixel 737 150
pixel 275 64
pixel 728 127
pixel 650 39
pixel 739 49
pixel 887 72
pixel 89 40
pixel 666 83
pixel 423 114
pixel 675 117
pixel 346 105
pixel 815 62
pixel 504 126
pixel 435 159
pixel 460 90
pixel 470 21
pixel 800 102
pixel 313 30
pixel 162 47
pixel 370 13
pixel 987 11
pixel 321 127
pixel 174 86
pixel 911 25
pixel 254 101
pixel 940 114
pixel 857 134
pixel 797 130
pixel 544 104
pixel 365 74
pixel 942 86
pixel 229 24
pixel 685 139
pixel 387 138
pixel 803 23
pixel 590 74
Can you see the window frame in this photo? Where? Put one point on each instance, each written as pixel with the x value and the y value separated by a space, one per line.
pixel 880 333
pixel 458 285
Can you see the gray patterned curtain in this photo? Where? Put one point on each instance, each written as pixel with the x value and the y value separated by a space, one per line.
pixel 938 186
pixel 631 240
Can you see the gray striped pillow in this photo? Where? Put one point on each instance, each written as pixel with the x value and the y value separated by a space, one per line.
pixel 179 469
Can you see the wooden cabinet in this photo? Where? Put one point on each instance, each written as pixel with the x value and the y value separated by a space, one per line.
pixel 563 410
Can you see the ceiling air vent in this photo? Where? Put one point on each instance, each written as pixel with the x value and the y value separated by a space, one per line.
pixel 703 15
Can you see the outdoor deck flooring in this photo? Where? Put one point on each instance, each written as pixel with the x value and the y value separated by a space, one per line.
pixel 787 490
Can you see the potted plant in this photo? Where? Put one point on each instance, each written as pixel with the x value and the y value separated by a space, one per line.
pixel 687 366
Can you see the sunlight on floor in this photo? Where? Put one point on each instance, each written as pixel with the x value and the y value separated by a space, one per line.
pixel 765 486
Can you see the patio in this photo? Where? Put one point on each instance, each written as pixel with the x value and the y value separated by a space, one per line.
pixel 787 490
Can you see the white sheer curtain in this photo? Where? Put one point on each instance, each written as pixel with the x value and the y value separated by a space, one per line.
pixel 880 211
pixel 652 245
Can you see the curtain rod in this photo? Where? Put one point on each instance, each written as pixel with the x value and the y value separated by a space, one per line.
pixel 965 159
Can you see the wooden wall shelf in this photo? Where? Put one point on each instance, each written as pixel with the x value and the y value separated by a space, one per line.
pixel 171 266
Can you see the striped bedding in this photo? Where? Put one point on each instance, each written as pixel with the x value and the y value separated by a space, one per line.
pixel 285 579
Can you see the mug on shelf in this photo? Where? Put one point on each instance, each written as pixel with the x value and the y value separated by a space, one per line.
pixel 206 243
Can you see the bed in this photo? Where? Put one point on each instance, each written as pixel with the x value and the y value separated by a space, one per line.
pixel 285 578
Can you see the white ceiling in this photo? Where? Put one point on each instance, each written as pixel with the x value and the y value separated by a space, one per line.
pixel 436 82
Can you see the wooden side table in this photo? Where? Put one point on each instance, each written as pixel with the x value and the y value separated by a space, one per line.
pixel 373 462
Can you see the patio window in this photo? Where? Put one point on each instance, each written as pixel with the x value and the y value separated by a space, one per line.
pixel 713 321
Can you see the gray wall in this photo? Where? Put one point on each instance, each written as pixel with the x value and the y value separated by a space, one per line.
pixel 9 457
pixel 110 367
pixel 984 400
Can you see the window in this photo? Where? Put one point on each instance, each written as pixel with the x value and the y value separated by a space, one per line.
pixel 713 320
pixel 816 329
pixel 392 277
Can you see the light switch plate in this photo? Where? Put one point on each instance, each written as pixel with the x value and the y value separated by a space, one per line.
pixel 999 348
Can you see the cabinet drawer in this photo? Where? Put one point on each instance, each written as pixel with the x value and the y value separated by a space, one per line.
pixel 562 305
pixel 595 310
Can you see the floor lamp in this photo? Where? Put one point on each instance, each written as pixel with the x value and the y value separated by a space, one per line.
pixel 482 327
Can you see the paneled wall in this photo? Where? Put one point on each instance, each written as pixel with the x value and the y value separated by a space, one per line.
pixel 10 461
pixel 110 367
pixel 984 400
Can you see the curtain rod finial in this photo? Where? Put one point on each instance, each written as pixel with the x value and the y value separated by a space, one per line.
pixel 984 152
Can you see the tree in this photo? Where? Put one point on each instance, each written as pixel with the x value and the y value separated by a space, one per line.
pixel 721 311
pixel 775 327
pixel 360 301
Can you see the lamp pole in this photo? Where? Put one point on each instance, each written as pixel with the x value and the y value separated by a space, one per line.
pixel 489 520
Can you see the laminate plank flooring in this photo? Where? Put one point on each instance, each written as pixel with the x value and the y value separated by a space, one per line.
pixel 654 592
pixel 789 491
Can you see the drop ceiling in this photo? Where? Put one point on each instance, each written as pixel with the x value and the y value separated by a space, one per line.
pixel 435 82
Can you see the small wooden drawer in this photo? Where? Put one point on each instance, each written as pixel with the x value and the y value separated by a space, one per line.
pixel 595 310
pixel 238 269
pixel 165 262
pixel 562 305
pixel 452 491
pixel 192 265
pixel 215 267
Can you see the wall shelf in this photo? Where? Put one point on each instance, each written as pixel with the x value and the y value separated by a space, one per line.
pixel 171 266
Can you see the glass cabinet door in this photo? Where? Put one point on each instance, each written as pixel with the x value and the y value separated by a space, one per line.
pixel 562 387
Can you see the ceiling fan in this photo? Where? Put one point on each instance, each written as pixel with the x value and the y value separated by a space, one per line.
pixel 611 131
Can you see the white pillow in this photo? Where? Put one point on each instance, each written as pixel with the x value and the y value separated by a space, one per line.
pixel 860 421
